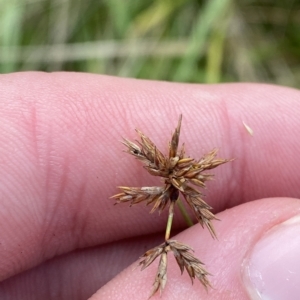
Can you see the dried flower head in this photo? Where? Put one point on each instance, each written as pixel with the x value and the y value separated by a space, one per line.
pixel 185 260
pixel 181 175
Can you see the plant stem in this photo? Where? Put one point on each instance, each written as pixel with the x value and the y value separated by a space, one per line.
pixel 184 213
pixel 170 220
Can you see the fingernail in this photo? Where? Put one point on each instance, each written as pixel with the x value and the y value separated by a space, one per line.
pixel 271 269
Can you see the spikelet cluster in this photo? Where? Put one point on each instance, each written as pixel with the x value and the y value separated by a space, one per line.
pixel 181 174
pixel 185 260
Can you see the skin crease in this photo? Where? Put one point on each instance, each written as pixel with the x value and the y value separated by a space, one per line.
pixel 61 159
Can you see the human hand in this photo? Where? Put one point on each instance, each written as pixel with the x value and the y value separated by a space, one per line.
pixel 62 238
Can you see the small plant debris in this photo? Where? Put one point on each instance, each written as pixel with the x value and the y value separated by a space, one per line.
pixel 248 128
pixel 180 175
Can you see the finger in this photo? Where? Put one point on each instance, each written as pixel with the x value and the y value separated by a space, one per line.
pixel 255 254
pixel 61 157
pixel 76 275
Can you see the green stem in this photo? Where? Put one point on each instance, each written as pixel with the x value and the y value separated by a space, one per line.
pixel 184 213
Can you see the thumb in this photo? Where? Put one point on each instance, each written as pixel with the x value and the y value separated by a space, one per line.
pixel 256 255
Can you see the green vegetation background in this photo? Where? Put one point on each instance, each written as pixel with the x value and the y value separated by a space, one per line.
pixel 176 40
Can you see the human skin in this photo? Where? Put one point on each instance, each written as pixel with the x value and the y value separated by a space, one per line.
pixel 61 159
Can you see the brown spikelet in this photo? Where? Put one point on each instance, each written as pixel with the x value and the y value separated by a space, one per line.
pixel 161 275
pixel 186 260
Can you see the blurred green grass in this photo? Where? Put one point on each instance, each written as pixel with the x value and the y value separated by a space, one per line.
pixel 176 40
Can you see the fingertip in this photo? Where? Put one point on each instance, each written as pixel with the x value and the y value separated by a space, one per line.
pixel 240 229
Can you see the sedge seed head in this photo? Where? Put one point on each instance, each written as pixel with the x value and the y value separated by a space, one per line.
pixel 181 175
